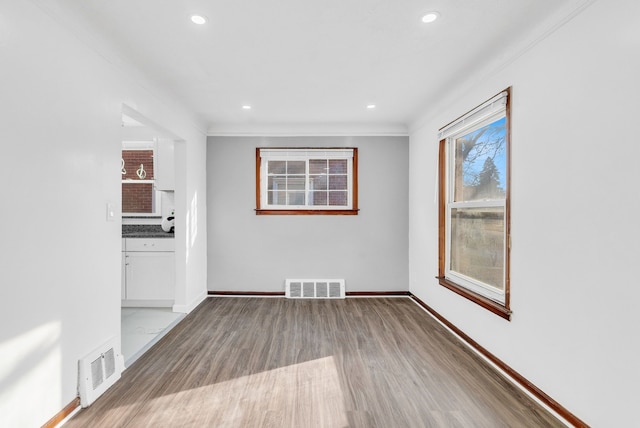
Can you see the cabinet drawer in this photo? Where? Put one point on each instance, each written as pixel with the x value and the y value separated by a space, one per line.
pixel 150 244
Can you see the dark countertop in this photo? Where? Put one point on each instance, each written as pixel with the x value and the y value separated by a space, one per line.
pixel 145 231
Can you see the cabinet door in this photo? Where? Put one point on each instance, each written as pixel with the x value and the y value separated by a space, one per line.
pixel 150 275
pixel 123 283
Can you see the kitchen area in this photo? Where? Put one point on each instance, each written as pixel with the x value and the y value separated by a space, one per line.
pixel 148 283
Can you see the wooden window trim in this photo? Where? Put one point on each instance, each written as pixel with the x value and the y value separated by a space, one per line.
pixel 502 310
pixel 354 169
pixel 495 307
pixel 306 212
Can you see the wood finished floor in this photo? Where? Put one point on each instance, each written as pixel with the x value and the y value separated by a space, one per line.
pixel 265 362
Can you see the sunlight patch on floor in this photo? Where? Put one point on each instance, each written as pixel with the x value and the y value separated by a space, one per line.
pixel 308 395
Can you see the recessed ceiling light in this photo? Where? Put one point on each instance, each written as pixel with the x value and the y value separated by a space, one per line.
pixel 430 17
pixel 198 19
pixel 246 107
pixel 371 106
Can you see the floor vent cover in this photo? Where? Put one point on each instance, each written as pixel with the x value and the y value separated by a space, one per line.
pixel 98 371
pixel 315 288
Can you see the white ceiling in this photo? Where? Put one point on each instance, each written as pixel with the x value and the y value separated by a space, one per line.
pixel 314 64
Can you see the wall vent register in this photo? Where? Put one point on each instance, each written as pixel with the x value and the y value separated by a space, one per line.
pixel 315 289
pixel 98 371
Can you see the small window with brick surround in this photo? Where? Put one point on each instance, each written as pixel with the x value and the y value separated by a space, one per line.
pixel 139 197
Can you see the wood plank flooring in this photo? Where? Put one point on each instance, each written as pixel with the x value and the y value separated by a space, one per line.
pixel 275 362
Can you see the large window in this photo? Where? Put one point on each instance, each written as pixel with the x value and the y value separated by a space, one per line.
pixel 474 205
pixel 306 181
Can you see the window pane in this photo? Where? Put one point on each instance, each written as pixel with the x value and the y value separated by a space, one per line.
pixel 338 182
pixel 318 198
pixel 277 167
pixel 278 182
pixel 296 198
pixel 295 183
pixel 477 244
pixel 338 166
pixel 481 163
pixel 277 198
pixel 138 164
pixel 317 166
pixel 137 197
pixel 318 182
pixel 296 167
pixel 337 198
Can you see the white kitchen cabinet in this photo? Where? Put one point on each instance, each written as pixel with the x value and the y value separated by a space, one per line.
pixel 149 272
pixel 150 275
pixel 165 166
pixel 123 287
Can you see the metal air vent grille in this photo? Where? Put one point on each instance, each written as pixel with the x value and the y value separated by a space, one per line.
pixel 315 288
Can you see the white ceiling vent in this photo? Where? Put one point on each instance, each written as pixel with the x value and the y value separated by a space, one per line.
pixel 98 371
pixel 315 288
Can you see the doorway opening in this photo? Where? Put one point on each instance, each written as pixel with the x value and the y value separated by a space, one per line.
pixel 149 282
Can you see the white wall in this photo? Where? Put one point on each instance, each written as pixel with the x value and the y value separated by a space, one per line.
pixel 60 129
pixel 575 206
pixel 191 228
pixel 248 252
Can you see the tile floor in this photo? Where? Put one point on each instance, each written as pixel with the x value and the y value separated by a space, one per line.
pixel 142 328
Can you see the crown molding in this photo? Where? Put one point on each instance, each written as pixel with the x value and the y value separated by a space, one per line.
pixel 308 129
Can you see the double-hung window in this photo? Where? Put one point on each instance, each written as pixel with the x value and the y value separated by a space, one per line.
pixel 139 196
pixel 306 181
pixel 474 205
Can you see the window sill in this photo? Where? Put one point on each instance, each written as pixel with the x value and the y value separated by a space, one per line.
pixel 306 212
pixel 490 305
